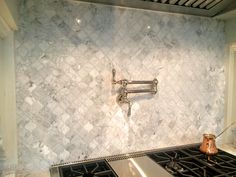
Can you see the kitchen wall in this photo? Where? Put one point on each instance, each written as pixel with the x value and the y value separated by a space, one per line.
pixel 66 105
pixel 229 27
pixel 13 5
pixel 8 101
pixel 230 72
pixel 8 137
pixel 1 81
pixel 234 94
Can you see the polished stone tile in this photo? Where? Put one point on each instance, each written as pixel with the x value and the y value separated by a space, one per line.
pixel 66 105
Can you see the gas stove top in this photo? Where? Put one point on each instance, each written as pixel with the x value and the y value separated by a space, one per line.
pixel 183 161
pixel 90 169
pixel 191 162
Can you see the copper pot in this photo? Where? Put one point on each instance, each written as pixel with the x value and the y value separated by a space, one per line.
pixel 208 145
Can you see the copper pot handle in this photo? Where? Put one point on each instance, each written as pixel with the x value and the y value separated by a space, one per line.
pixel 226 129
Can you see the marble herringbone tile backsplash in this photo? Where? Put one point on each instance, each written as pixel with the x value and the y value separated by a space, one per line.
pixel 66 105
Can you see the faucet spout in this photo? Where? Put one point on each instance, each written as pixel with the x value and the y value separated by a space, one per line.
pixel 123 98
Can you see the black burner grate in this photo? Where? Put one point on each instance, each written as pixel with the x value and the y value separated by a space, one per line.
pixel 90 169
pixel 190 162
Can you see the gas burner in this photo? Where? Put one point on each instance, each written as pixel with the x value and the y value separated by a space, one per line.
pixel 174 168
pixel 173 165
pixel 210 160
pixel 89 169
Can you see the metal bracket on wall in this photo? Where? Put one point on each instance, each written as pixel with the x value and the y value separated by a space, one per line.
pixel 124 91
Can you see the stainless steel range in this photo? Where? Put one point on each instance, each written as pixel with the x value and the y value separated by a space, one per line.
pixel 178 161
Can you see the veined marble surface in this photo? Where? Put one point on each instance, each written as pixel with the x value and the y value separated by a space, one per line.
pixel 66 105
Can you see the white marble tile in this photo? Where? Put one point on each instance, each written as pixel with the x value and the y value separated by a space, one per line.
pixel 66 104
